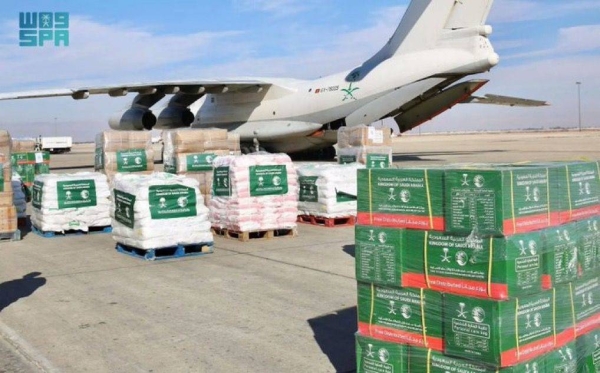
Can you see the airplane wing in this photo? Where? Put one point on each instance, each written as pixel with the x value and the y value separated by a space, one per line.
pixel 504 100
pixel 169 87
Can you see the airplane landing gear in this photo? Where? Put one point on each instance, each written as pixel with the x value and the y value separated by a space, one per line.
pixel 327 154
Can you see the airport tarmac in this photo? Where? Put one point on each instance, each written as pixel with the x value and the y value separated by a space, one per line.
pixel 73 304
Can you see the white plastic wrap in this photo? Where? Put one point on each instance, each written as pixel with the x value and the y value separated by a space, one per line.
pixel 328 190
pixel 19 197
pixel 254 192
pixel 363 136
pixel 158 210
pixel 63 202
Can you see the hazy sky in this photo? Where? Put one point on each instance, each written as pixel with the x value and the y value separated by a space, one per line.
pixel 545 47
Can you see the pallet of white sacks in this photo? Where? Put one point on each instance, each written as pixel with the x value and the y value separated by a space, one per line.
pixel 10 236
pixel 254 235
pixel 74 232
pixel 172 252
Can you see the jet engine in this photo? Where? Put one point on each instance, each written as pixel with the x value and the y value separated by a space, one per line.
pixel 174 117
pixel 136 119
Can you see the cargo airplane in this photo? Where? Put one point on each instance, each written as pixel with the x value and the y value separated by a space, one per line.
pixel 417 75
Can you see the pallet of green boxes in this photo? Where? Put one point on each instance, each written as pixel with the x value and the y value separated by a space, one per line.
pixel 479 268
pixel 29 164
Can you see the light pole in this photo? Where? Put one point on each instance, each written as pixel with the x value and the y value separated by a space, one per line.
pixel 579 102
pixel 55 128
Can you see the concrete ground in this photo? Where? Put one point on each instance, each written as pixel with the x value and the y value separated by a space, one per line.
pixel 73 304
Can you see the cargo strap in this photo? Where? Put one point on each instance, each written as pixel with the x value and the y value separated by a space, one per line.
pixel 428 199
pixel 490 267
pixel 573 310
pixel 370 199
pixel 517 329
pixel 429 360
pixel 569 194
pixel 423 323
pixel 598 166
pixel 426 258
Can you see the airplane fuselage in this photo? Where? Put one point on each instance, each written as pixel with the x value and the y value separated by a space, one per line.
pixel 295 109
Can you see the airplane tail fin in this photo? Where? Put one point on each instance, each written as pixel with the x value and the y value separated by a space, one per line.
pixel 426 20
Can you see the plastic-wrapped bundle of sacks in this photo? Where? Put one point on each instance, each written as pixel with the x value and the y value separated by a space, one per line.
pixel 63 202
pixel 370 156
pixel 19 197
pixel 254 192
pixel 158 210
pixel 328 190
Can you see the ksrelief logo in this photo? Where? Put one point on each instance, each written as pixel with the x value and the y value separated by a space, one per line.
pixel 384 355
pixel 85 194
pixel 478 314
pixel 479 181
pixel 462 258
pixel 585 189
pixel 382 237
pixel 182 202
pixel 406 311
pixel 587 299
pixel 405 196
pixel 138 160
pixel 276 181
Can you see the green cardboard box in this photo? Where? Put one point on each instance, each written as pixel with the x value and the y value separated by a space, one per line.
pixel 589 246
pixel 500 201
pixel 584 295
pixel 560 258
pixel 400 315
pixel 376 356
pixel 423 360
pixel 501 333
pixel 588 352
pixel 563 360
pixel 401 198
pixel 496 268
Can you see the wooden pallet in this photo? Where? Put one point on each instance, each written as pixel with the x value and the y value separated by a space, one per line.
pixel 172 252
pixel 347 221
pixel 254 235
pixel 50 234
pixel 10 236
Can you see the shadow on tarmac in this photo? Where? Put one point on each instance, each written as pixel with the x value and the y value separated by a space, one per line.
pixel 350 250
pixel 419 156
pixel 334 333
pixel 12 291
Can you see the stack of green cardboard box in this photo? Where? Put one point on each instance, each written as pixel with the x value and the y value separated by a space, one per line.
pixel 479 268
pixel 29 164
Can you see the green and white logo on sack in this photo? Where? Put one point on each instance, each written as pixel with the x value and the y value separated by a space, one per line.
pixel 309 191
pixel 172 201
pixel 38 188
pixel 268 180
pixel 124 208
pixel 77 193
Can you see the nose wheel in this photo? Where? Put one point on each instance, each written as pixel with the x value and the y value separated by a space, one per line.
pixel 328 153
